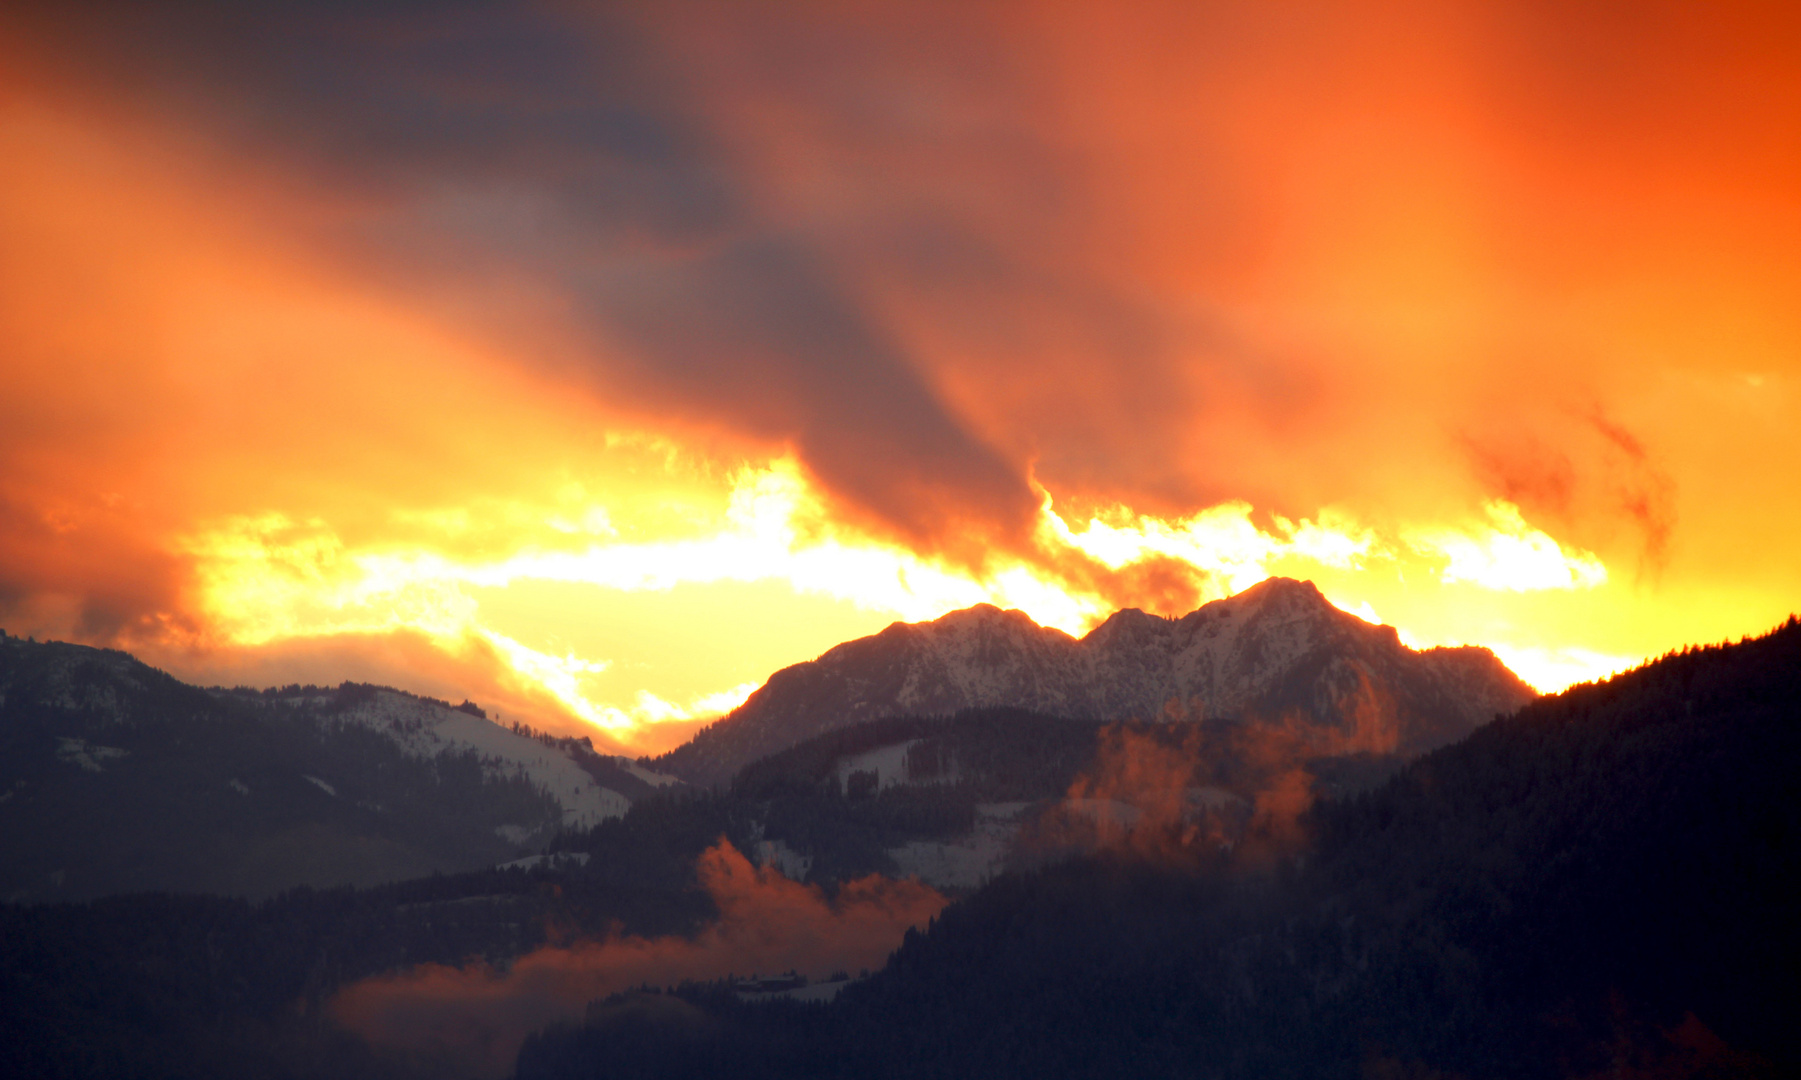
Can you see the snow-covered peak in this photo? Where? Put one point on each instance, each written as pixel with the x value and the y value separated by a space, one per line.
pixel 1279 648
pixel 982 618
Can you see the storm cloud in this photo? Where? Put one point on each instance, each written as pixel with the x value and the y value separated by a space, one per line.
pixel 565 154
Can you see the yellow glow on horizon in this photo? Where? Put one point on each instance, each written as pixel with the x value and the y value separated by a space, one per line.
pixel 267 579
pixel 1549 670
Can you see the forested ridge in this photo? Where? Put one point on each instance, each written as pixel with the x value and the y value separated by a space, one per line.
pixel 116 777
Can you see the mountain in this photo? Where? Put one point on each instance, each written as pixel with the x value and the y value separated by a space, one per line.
pixel 1277 650
pixel 116 777
pixel 1601 884
pixel 955 801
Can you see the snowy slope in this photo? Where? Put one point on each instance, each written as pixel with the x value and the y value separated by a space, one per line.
pixel 654 779
pixel 1277 651
pixel 427 728
pixel 969 861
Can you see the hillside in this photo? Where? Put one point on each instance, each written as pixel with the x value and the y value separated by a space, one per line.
pixel 115 777
pixel 1278 650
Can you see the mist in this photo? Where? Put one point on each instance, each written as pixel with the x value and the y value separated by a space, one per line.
pixel 478 1015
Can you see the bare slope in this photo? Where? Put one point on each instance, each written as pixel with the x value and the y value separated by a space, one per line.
pixel 1278 650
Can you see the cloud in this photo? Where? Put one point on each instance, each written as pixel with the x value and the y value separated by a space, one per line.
pixel 767 924
pixel 563 156
pixel 1583 471
pixel 929 252
pixel 1230 794
pixel 1196 273
pixel 84 567
pixel 1508 554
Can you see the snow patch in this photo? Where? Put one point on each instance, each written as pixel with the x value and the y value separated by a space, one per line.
pixel 889 763
pixel 970 861
pixel 1212 798
pixel 238 786
pixel 1104 811
pixel 79 752
pixel 425 729
pixel 555 861
pixel 824 991
pixel 322 785
pixel 516 835
pixel 649 776
pixel 792 864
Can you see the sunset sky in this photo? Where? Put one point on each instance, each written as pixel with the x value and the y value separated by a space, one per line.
pixel 595 361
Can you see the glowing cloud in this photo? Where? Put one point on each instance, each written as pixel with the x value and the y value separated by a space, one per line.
pixel 1220 541
pixel 268 579
pixel 1510 554
pixel 450 344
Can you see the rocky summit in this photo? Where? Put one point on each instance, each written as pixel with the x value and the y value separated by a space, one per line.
pixel 1277 652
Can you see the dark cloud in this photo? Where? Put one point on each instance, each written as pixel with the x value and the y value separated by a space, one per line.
pixel 1640 488
pixel 82 569
pixel 1524 470
pixel 566 152
pixel 759 331
pixel 1583 471
pixel 1160 255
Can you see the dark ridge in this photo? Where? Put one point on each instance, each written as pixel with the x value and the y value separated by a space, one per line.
pixel 1007 753
pixel 118 778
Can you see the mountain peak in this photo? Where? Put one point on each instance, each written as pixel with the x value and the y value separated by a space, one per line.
pixel 1279 648
pixel 980 616
pixel 1283 591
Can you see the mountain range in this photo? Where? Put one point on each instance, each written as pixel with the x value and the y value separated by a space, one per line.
pixel 121 778
pixel 1276 651
pixel 1267 882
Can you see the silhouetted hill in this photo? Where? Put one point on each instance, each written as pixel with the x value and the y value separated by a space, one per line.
pixel 115 777
pixel 1601 884
pixel 1276 650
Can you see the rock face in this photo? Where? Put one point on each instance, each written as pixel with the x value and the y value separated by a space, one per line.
pixel 1278 652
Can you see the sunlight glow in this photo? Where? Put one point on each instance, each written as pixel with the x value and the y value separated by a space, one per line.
pixel 1221 541
pixel 1510 554
pixel 1553 669
pixel 267 578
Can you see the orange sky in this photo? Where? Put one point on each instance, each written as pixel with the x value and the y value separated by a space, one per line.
pixel 595 361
